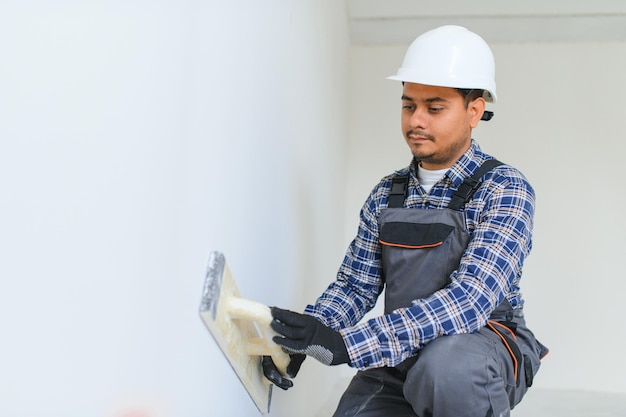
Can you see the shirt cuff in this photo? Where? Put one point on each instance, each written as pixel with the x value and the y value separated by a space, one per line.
pixel 363 347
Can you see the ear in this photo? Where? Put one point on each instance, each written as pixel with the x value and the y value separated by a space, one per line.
pixel 475 110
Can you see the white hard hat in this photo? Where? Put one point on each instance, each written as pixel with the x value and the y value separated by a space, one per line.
pixel 450 56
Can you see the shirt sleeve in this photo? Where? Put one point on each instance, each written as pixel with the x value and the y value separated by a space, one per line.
pixel 358 282
pixel 501 216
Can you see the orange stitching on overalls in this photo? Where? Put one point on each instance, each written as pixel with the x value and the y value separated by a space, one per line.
pixel 490 324
pixel 397 245
pixel 504 327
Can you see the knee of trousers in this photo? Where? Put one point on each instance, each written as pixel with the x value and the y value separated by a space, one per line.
pixel 446 365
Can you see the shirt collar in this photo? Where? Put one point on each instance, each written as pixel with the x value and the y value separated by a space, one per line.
pixel 464 167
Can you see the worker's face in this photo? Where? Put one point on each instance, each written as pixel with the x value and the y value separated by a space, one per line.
pixel 436 125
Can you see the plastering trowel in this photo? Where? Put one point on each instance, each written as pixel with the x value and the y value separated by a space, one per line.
pixel 241 329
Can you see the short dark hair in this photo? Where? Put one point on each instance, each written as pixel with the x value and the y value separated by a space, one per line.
pixel 470 94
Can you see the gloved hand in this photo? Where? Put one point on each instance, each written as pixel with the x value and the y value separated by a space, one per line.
pixel 275 377
pixel 305 334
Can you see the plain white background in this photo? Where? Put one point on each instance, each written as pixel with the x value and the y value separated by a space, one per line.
pixel 136 136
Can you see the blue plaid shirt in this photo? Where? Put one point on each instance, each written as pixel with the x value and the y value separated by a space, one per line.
pixel 500 221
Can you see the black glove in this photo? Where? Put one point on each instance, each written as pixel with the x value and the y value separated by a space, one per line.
pixel 301 333
pixel 271 372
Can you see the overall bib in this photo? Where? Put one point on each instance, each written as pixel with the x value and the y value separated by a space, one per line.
pixel 420 250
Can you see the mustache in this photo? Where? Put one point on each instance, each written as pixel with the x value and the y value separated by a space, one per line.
pixel 419 133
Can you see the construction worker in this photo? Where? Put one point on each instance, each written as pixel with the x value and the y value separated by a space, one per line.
pixel 446 237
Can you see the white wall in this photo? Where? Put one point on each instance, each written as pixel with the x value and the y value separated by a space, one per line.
pixel 135 137
pixel 558 119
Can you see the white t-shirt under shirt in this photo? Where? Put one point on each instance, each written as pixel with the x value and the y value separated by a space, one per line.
pixel 428 178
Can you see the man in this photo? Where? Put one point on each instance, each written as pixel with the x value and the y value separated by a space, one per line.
pixel 446 237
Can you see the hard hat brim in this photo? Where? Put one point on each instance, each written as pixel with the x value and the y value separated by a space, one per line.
pixel 489 96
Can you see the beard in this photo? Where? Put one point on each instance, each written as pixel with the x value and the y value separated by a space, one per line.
pixel 431 151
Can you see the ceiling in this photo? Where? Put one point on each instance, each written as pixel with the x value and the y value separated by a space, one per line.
pixel 379 22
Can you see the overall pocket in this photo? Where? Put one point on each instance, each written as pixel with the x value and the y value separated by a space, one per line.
pixel 418 259
pixel 414 235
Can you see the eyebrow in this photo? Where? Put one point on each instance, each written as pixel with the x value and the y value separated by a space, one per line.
pixel 427 100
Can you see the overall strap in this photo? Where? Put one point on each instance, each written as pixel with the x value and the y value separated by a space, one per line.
pixel 399 190
pixel 470 184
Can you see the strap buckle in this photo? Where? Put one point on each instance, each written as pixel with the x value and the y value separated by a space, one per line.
pixel 398 192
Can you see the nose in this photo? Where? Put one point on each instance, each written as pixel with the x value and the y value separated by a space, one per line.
pixel 418 119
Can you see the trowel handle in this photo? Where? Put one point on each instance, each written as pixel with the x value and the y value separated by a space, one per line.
pixel 240 308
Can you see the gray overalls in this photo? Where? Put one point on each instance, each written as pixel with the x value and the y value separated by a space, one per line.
pixel 481 374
